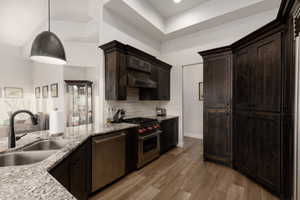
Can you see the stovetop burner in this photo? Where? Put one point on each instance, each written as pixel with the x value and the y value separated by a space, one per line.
pixel 139 120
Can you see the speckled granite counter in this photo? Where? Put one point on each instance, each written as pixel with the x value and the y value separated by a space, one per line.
pixel 31 182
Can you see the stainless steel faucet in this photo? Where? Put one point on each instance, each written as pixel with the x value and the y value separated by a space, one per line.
pixel 12 135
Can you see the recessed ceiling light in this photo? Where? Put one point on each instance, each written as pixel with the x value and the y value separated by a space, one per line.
pixel 177 1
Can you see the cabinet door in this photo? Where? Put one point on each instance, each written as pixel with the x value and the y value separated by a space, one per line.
pixel 164 84
pixel 217 136
pixel 245 144
pixel 162 92
pixel 217 79
pixel 60 173
pixel 169 135
pixel 131 150
pixel 165 137
pixel 268 139
pixel 267 75
pixel 175 132
pixel 242 78
pixel 78 174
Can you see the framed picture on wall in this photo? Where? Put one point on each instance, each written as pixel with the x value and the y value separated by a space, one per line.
pixel 54 90
pixel 13 93
pixel 45 91
pixel 201 91
pixel 37 92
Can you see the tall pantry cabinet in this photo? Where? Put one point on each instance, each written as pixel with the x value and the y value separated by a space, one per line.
pixel 244 87
pixel 218 106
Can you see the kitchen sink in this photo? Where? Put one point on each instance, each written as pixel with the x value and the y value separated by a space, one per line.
pixel 23 158
pixel 46 145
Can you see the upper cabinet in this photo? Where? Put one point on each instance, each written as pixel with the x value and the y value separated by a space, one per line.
pixel 242 78
pixel 161 74
pixel 217 78
pixel 267 73
pixel 257 75
pixel 126 66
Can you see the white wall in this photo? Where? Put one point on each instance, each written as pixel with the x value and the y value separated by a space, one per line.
pixel 43 75
pixel 184 51
pixel 77 73
pixel 15 72
pixel 192 106
pixel 114 28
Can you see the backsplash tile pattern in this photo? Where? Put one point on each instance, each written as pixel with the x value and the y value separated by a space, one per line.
pixel 133 106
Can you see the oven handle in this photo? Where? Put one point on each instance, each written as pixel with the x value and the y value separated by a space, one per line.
pixel 151 135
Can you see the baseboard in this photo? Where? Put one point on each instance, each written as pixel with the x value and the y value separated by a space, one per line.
pixel 193 135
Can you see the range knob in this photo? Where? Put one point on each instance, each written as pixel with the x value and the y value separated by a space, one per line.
pixel 141 130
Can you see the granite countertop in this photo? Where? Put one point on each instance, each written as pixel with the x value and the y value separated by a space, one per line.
pixel 30 182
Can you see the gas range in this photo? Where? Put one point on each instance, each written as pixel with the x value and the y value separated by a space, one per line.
pixel 147 125
pixel 148 139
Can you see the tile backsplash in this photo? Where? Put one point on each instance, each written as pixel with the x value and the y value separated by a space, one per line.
pixel 133 106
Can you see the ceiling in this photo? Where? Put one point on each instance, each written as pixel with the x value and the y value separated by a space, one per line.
pixel 70 10
pixel 75 20
pixel 167 8
pixel 20 20
pixel 164 20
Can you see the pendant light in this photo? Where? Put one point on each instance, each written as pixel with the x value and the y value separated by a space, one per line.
pixel 47 47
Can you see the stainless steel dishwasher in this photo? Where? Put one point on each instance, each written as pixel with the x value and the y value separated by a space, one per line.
pixel 108 159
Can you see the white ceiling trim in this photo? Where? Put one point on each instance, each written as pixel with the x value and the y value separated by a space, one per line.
pixel 205 15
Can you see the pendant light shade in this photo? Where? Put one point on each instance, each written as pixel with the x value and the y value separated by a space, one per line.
pixel 47 48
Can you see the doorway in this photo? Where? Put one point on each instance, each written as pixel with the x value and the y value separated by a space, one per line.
pixel 192 104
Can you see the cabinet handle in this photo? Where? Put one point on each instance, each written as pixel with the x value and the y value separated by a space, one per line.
pixel 108 138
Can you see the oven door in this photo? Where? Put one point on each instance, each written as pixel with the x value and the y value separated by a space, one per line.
pixel 149 148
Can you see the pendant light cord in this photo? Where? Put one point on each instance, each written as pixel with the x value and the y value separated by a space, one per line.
pixel 49 15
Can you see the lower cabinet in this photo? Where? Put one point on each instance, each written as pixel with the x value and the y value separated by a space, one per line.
pixel 131 150
pixel 245 144
pixel 73 174
pixel 75 171
pixel 268 138
pixel 169 135
pixel 257 147
pixel 217 136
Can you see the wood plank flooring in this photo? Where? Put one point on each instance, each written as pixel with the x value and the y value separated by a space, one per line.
pixel 181 174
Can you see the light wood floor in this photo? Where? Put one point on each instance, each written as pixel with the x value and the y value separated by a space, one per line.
pixel 181 174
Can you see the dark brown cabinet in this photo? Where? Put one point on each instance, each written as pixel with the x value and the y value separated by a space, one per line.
pixel 217 76
pixel 73 174
pixel 164 79
pixel 131 149
pixel 242 78
pixel 249 131
pixel 78 173
pixel 218 105
pixel 245 143
pixel 267 73
pixel 267 128
pixel 257 147
pixel 161 73
pixel 257 75
pixel 126 66
pixel 217 136
pixel 169 135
